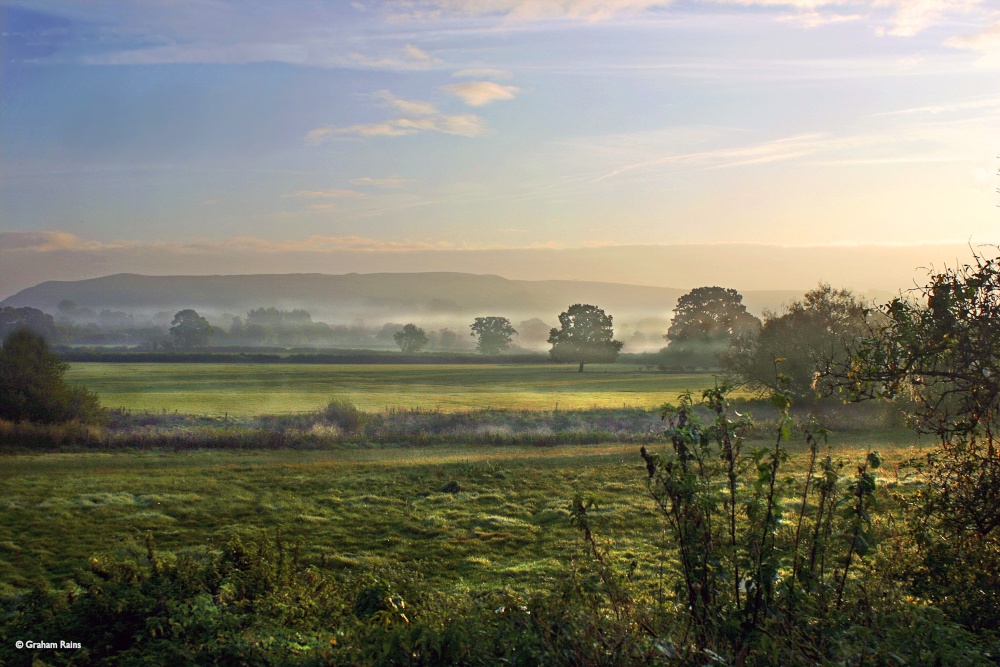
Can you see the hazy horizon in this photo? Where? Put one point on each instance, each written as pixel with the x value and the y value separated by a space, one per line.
pixel 758 144
pixel 754 267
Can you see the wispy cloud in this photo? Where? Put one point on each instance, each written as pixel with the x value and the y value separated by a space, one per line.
pixel 778 150
pixel 478 93
pixel 590 10
pixel 408 58
pixel 463 125
pixel 483 73
pixel 985 42
pixel 327 244
pixel 915 16
pixel 410 107
pixel 815 19
pixel 905 19
pixel 50 241
pixel 59 241
pixel 333 193
pixel 420 117
pixel 392 182
pixel 967 105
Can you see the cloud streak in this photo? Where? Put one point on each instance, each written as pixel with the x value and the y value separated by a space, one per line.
pixel 410 57
pixel 420 117
pixel 59 241
pixel 903 17
pixel 52 241
pixel 478 93
pixel 333 193
pixel 391 182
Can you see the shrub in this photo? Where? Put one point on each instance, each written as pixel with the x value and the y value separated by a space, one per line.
pixel 345 415
pixel 32 387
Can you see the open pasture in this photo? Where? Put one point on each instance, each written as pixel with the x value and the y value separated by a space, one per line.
pixel 252 389
pixel 505 523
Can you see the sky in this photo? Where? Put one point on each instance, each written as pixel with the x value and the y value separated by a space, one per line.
pixel 243 136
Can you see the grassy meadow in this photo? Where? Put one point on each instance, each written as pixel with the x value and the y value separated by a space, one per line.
pixel 367 501
pixel 440 524
pixel 251 389
pixel 503 523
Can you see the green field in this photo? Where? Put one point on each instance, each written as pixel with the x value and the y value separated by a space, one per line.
pixel 253 389
pixel 362 508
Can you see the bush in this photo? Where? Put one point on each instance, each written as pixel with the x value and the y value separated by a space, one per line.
pixel 345 416
pixel 32 388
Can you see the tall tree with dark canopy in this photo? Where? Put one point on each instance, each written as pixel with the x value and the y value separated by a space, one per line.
pixel 190 329
pixel 411 339
pixel 585 336
pixel 710 315
pixel 706 321
pixel 495 334
pixel 32 387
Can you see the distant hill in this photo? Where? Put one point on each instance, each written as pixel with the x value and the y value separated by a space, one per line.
pixel 429 297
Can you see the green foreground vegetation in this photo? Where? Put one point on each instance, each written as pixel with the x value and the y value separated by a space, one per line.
pixel 249 389
pixel 504 523
pixel 379 555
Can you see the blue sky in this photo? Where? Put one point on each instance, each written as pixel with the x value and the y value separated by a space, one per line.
pixel 332 134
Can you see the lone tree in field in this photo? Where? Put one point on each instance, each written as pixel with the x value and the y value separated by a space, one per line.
pixel 411 339
pixel 190 329
pixel 32 387
pixel 585 336
pixel 495 334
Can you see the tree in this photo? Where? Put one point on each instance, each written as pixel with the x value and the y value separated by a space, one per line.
pixel 706 321
pixel 13 319
pixel 807 338
pixel 411 339
pixel 32 387
pixel 447 339
pixel 533 333
pixel 190 329
pixel 710 315
pixel 938 350
pixel 495 334
pixel 586 335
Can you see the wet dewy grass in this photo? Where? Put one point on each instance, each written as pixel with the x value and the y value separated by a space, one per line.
pixel 464 518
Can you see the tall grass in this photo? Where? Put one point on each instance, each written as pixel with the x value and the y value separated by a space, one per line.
pixel 341 424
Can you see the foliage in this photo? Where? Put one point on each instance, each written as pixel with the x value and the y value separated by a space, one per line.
pixel 474 546
pixel 939 351
pixel 410 339
pixel 710 314
pixel 13 319
pixel 706 321
pixel 189 329
pixel 495 334
pixel 32 388
pixel 586 335
pixel 808 337
pixel 345 415
pixel 770 569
